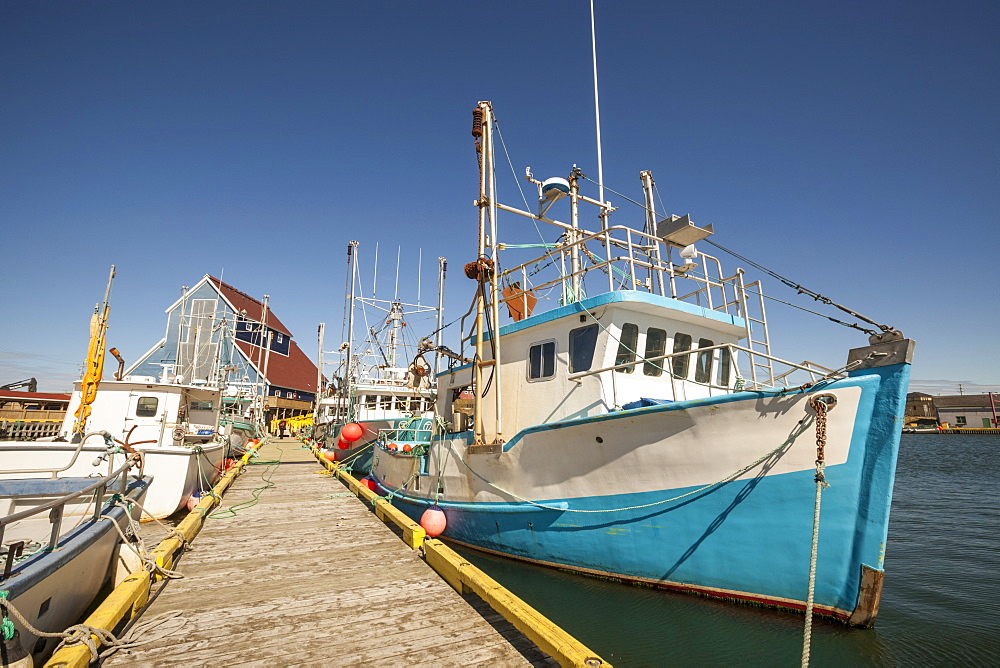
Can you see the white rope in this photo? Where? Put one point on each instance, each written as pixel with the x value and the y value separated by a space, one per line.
pixel 807 636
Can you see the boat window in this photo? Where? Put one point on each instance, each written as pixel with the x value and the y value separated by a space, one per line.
pixel 722 379
pixel 682 342
pixel 201 405
pixel 582 342
pixel 703 370
pixel 656 343
pixel 414 405
pixel 146 406
pixel 369 400
pixel 542 360
pixel 627 345
pixel 386 403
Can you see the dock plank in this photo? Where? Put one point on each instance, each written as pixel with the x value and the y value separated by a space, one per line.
pixel 309 576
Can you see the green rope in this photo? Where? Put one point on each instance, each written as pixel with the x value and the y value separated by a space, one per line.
pixel 7 626
pixel 271 465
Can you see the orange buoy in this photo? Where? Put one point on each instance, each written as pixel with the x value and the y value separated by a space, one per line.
pixel 351 432
pixel 330 455
pixel 433 521
pixel 228 464
pixel 368 482
pixel 407 447
pixel 343 445
pixel 392 446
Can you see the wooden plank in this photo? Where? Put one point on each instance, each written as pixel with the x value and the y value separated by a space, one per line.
pixel 307 576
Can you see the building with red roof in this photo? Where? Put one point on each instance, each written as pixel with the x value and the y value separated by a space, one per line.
pixel 217 334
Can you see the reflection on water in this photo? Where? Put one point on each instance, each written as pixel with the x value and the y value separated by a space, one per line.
pixel 940 606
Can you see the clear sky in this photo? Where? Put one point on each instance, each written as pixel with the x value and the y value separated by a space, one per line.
pixel 853 147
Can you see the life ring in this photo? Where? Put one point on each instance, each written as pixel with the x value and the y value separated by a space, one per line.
pixel 419 370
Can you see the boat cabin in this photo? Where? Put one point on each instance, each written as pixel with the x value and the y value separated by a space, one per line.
pixel 139 408
pixel 600 355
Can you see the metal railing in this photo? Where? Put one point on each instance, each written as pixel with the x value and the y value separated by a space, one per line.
pixel 56 508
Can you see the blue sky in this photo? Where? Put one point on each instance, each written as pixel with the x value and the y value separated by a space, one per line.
pixel 853 147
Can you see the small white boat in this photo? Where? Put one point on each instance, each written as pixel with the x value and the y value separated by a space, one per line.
pixel 60 545
pixel 173 424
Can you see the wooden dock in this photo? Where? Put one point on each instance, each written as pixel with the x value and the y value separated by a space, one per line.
pixel 309 576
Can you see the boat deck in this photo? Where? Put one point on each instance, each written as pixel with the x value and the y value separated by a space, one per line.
pixel 310 576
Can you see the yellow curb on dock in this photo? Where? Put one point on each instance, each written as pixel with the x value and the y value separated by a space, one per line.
pixel 132 594
pixel 466 578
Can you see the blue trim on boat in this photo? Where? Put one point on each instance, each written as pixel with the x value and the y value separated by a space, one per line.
pixel 618 297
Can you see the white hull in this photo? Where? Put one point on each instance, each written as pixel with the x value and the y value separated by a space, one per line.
pixel 175 469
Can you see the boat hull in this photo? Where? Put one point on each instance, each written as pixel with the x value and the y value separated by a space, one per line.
pixel 178 471
pixel 649 495
pixel 54 589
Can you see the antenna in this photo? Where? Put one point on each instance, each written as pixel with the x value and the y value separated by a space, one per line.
pixel 597 117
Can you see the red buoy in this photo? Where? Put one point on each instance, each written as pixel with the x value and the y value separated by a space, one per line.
pixel 433 521
pixel 228 464
pixel 407 447
pixel 194 499
pixel 351 432
pixel 342 444
pixel 368 482
pixel 330 455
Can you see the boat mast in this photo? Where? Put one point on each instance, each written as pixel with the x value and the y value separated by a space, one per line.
pixel 439 336
pixel 352 263
pixel 647 188
pixel 597 119
pixel 485 270
pixel 320 332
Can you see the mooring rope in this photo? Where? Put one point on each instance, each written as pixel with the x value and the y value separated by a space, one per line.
pixel 820 405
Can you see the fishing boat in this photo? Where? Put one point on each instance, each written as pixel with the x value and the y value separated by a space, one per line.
pixel 62 541
pixel 639 428
pixel 171 421
pixel 379 394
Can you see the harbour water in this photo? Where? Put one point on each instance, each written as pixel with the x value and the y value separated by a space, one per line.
pixel 940 606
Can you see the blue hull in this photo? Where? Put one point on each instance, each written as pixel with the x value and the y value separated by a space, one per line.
pixel 748 539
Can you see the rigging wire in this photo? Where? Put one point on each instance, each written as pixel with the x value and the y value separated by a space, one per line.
pixel 800 289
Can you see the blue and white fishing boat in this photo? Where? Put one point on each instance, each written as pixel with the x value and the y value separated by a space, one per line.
pixel 641 429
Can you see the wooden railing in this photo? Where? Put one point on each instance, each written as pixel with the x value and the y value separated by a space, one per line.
pixel 18 430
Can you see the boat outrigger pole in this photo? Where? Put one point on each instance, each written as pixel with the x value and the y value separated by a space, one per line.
pixel 94 365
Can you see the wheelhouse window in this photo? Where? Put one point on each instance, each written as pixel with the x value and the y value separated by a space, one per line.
pixel 725 360
pixel 703 369
pixel 146 406
pixel 542 360
pixel 201 405
pixel 627 345
pixel 582 342
pixel 370 400
pixel 656 345
pixel 682 342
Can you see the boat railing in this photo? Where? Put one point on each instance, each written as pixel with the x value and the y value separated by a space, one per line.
pixel 56 507
pixel 108 442
pixel 644 269
pixel 814 371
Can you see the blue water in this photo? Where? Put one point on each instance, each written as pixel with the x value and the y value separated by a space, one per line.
pixel 940 605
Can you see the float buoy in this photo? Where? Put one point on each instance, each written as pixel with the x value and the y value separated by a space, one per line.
pixel 351 432
pixel 330 455
pixel 433 521
pixel 407 447
pixel 194 500
pixel 368 482
pixel 392 446
pixel 343 445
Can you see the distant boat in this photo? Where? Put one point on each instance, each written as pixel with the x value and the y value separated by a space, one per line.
pixel 640 429
pixel 386 384
pixel 60 546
